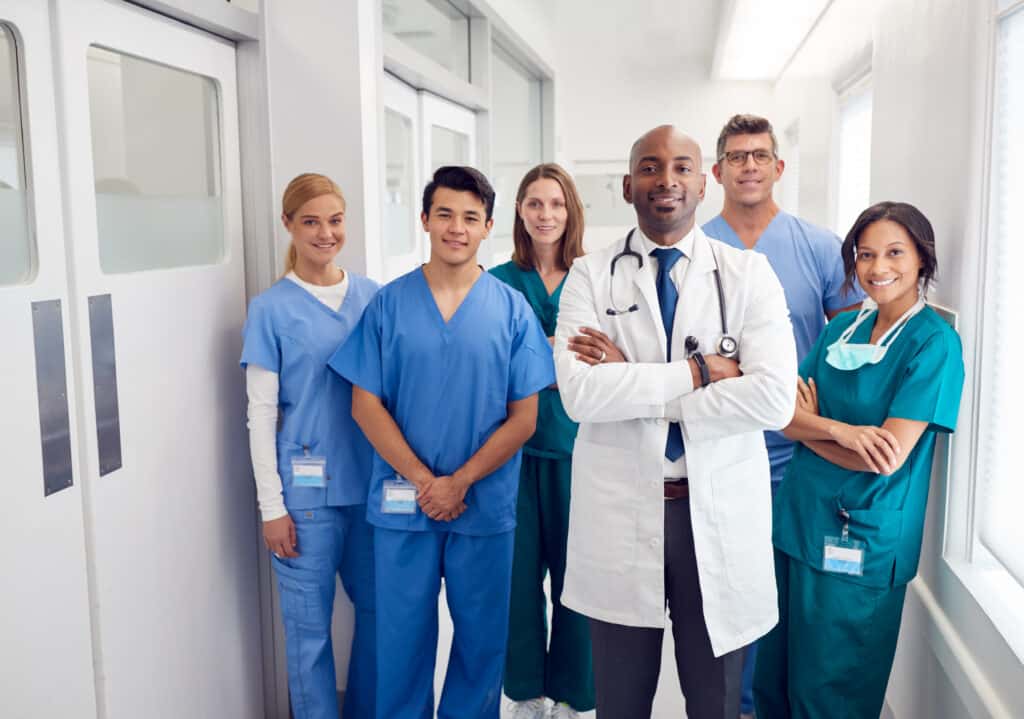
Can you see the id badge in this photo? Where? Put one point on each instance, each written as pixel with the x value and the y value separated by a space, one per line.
pixel 843 555
pixel 399 496
pixel 309 471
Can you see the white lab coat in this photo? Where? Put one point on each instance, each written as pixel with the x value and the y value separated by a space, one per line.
pixel 615 569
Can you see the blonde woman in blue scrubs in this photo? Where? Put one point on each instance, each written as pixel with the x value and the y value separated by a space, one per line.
pixel 548 236
pixel 310 460
pixel 874 392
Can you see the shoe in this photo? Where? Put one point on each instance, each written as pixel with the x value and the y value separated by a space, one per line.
pixel 747 715
pixel 561 710
pixel 530 709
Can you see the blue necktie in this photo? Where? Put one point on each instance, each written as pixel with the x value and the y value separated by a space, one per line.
pixel 668 296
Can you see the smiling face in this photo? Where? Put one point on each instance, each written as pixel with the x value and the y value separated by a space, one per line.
pixel 543 211
pixel 318 231
pixel 456 225
pixel 750 183
pixel 888 265
pixel 665 183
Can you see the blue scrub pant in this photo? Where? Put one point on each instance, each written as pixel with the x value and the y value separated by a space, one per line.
pixel 331 541
pixel 477 573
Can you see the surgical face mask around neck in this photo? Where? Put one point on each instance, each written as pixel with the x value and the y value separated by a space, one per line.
pixel 845 356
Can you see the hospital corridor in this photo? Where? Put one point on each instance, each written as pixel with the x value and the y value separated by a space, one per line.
pixel 511 359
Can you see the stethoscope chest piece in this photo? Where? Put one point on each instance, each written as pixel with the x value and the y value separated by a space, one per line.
pixel 727 347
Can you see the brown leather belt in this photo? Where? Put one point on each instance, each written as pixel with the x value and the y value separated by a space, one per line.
pixel 677 489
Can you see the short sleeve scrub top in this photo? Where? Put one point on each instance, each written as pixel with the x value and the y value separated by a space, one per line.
pixel 832 651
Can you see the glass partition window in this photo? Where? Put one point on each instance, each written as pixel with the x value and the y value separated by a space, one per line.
pixel 433 28
pixel 518 140
pixel 156 164
pixel 15 239
pixel 399 197
pixel 853 180
pixel 603 203
pixel 998 526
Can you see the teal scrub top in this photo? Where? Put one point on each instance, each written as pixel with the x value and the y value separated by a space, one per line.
pixel 556 433
pixel 920 378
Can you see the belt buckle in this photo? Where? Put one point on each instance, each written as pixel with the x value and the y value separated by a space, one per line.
pixel 676 489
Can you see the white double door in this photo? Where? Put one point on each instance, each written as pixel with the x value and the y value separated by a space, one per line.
pixel 422 132
pixel 131 557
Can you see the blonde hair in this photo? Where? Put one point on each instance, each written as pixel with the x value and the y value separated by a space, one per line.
pixel 301 190
pixel 572 238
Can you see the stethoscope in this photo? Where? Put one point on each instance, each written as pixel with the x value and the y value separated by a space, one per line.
pixel 727 345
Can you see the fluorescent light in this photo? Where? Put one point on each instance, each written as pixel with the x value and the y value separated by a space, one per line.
pixel 757 38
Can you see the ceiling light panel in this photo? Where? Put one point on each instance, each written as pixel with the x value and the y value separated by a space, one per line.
pixel 760 37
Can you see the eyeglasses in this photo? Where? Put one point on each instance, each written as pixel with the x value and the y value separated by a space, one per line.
pixel 738 158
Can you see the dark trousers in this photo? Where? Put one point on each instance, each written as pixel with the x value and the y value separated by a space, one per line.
pixel 627 660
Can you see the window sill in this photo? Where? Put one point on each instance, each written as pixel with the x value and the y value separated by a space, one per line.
pixel 998 595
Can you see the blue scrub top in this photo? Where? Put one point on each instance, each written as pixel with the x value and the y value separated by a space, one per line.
pixel 920 378
pixel 808 262
pixel 292 333
pixel 556 433
pixel 447 385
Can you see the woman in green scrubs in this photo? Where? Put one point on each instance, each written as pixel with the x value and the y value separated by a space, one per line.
pixel 548 236
pixel 874 392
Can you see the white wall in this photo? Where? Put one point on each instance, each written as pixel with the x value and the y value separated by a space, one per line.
pixel 610 98
pixel 811 102
pixel 323 61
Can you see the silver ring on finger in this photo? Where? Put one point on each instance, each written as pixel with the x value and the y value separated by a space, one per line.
pixel 601 358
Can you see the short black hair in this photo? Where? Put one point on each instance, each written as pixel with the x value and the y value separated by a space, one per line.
pixel 460 179
pixel 906 216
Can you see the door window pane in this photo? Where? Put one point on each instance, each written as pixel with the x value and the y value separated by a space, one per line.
pixel 156 164
pixel 15 240
pixel 434 28
pixel 517 140
pixel 399 197
pixel 447 147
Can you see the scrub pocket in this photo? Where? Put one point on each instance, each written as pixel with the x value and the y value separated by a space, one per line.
pixel 880 531
pixel 304 605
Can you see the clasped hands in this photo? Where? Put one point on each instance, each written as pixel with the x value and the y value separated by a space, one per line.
pixel 442 498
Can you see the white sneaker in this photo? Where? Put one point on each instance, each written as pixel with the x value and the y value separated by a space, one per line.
pixel 530 709
pixel 563 711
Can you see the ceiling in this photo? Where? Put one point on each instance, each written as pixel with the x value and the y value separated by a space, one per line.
pixel 648 33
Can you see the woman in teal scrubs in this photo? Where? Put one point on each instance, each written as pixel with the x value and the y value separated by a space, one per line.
pixel 874 392
pixel 548 236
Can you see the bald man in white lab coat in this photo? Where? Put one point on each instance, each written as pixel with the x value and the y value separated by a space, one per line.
pixel 671 504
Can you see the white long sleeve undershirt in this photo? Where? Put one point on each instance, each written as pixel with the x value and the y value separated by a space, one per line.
pixel 262 387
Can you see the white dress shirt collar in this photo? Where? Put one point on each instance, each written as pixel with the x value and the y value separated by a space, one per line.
pixel 685 245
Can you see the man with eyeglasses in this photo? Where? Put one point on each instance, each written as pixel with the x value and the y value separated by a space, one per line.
pixel 805 257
